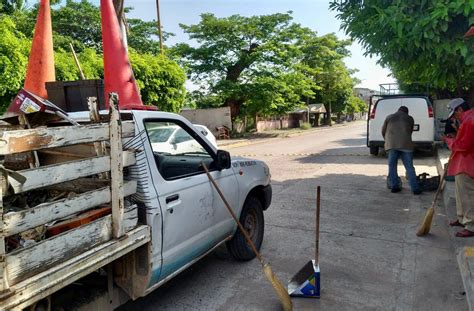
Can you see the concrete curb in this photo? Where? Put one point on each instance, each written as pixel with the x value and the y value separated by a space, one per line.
pixel 462 247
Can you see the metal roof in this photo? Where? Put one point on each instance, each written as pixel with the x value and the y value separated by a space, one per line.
pixel 313 108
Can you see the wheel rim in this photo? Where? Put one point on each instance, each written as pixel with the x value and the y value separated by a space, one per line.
pixel 251 224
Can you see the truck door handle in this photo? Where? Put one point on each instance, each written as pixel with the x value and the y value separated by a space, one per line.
pixel 172 198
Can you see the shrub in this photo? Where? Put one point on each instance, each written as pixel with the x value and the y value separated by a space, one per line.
pixel 305 126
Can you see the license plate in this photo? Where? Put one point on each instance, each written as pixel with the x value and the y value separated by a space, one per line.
pixel 416 127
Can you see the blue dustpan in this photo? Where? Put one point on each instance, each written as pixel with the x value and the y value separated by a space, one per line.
pixel 307 281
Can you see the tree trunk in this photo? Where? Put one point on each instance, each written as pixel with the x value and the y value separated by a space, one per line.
pixel 233 74
pixel 328 120
pixel 234 105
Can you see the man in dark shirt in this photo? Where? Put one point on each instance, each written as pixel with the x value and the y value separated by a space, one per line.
pixel 397 130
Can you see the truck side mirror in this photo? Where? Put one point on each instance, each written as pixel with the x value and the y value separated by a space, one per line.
pixel 223 160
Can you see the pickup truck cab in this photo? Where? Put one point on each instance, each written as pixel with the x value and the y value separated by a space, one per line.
pixel 188 218
pixel 164 213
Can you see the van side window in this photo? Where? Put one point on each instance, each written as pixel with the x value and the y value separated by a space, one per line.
pixel 177 153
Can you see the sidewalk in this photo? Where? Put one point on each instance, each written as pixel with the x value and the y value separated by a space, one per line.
pixel 463 248
pixel 259 137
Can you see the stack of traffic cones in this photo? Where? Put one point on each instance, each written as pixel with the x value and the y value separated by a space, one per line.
pixel 118 75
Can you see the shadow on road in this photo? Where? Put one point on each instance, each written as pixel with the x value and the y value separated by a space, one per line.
pixel 368 243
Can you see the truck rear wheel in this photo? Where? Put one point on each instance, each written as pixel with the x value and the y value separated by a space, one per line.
pixel 252 220
pixel 374 150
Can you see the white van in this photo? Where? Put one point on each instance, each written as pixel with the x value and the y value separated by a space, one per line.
pixel 419 107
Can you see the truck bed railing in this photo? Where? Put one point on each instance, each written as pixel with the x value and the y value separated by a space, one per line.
pixel 30 273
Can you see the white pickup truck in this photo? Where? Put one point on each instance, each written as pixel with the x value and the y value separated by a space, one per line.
pixel 164 213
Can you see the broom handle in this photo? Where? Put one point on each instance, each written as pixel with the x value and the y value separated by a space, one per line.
pixel 318 212
pixel 442 181
pixel 242 229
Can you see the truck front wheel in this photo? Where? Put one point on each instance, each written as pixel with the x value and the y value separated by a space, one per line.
pixel 253 222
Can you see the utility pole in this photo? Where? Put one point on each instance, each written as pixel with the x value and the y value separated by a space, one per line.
pixel 160 34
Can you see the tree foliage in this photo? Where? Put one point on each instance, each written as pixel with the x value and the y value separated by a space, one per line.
pixel 14 47
pixel 355 104
pixel 11 6
pixel 421 41
pixel 263 64
pixel 323 58
pixel 160 80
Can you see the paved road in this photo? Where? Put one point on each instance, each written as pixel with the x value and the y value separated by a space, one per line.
pixel 371 258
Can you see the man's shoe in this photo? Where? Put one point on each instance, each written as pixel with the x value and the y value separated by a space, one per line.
pixel 464 233
pixel 396 189
pixel 417 192
pixel 456 223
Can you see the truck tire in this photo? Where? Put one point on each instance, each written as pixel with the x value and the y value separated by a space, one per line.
pixel 374 150
pixel 252 220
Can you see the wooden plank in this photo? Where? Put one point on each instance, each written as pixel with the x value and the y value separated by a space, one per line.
pixel 47 212
pixel 54 174
pixel 3 272
pixel 100 147
pixel 52 137
pixel 26 262
pixel 45 283
pixel 81 185
pixel 32 157
pixel 116 166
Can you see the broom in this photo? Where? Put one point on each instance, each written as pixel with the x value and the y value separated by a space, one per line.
pixel 267 270
pixel 425 226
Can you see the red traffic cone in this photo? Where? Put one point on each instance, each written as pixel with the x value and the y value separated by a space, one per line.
pixel 118 75
pixel 41 62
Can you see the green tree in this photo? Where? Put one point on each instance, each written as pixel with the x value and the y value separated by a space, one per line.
pixel 66 69
pixel 12 6
pixel 323 57
pixel 420 41
pixel 14 49
pixel 143 36
pixel 161 81
pixel 355 104
pixel 243 61
pixel 79 21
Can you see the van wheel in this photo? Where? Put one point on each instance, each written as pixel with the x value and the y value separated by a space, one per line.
pixel 252 220
pixel 374 150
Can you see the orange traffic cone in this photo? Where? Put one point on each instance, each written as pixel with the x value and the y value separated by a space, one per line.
pixel 41 62
pixel 118 75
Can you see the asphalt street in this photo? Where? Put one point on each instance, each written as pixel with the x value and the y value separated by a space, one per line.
pixel 371 258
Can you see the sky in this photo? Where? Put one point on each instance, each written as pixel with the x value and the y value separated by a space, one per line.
pixel 314 14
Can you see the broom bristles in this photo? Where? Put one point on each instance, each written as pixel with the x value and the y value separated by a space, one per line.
pixel 280 290
pixel 425 227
